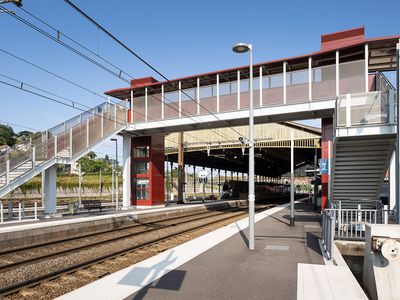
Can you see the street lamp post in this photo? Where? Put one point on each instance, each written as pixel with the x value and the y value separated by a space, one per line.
pixel 116 172
pixel 242 48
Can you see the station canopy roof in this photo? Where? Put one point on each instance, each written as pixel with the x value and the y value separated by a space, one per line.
pixel 350 43
pixel 220 149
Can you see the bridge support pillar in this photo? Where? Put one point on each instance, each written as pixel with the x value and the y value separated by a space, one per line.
pixel 126 172
pixel 50 190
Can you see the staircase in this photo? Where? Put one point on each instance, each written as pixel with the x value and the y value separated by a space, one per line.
pixel 64 143
pixel 364 143
pixel 360 166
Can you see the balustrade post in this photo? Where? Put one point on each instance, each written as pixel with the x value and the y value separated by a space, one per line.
pixel 261 87
pixel 33 157
pixel 310 79
pixel 35 211
pixel 162 102
pixel 337 73
pixel 217 92
pixel 284 82
pixel 146 104
pixel 102 123
pixel 198 95
pixel 87 133
pixel 1 213
pixel 132 106
pixel 19 212
pixel 366 68
pixel 8 170
pixel 115 119
pixel 238 89
pixel 55 146
pixel 70 142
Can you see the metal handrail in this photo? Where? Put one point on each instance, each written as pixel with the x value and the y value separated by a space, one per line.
pixel 77 135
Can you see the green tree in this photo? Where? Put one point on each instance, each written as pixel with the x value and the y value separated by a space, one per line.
pixel 92 155
pixel 7 135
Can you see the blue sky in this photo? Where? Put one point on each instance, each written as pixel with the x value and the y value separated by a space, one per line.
pixel 180 38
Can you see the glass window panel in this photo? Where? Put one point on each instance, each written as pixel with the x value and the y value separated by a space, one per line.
pixel 256 83
pixel 141 151
pixel 224 89
pixel 300 77
pixel 244 85
pixel 171 97
pixel 214 90
pixel 140 167
pixel 265 82
pixel 234 87
pixel 277 81
pixel 206 91
pixel 317 75
pixel 189 94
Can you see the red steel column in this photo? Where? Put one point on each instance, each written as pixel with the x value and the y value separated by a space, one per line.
pixel 327 137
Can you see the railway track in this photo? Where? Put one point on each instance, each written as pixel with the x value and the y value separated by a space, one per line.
pixel 20 278
pixel 12 258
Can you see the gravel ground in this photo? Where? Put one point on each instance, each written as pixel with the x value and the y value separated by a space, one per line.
pixel 10 258
pixel 66 283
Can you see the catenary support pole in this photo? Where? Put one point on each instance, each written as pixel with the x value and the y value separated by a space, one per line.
pixel 291 179
pixel 180 168
pixel 172 180
pixel 219 181
pixel 194 181
pixel 167 183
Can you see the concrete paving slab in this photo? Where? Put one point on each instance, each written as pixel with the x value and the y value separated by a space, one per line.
pixel 219 265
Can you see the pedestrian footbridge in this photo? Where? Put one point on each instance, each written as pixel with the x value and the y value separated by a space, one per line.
pixel 343 84
pixel 64 143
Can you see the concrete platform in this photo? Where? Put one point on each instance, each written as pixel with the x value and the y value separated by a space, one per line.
pixel 218 265
pixel 25 233
pixel 327 282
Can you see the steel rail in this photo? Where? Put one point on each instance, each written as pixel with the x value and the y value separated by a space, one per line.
pixel 5 291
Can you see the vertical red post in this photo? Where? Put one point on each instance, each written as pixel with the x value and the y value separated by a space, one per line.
pixel 147 171
pixel 327 137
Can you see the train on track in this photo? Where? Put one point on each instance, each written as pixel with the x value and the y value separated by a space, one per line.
pixel 233 189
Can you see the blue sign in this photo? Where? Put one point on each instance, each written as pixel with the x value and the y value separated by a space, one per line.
pixel 324 166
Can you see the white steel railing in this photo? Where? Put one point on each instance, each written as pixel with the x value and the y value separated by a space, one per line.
pixel 350 223
pixel 217 93
pixel 20 212
pixel 66 140
pixel 328 232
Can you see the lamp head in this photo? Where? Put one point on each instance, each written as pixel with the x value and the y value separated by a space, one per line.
pixel 241 48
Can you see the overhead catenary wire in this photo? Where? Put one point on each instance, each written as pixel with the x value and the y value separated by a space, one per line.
pixel 171 104
pixel 54 74
pixel 57 40
pixel 72 104
pixel 118 41
pixel 59 33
